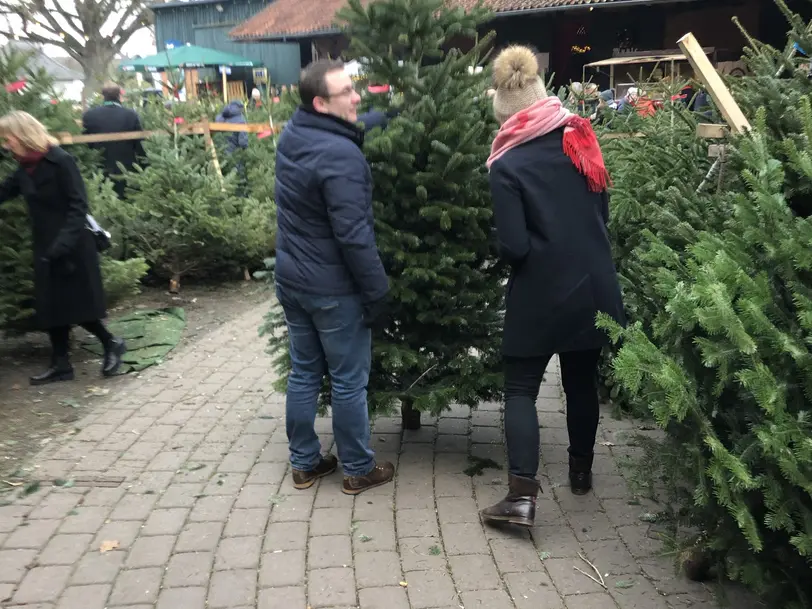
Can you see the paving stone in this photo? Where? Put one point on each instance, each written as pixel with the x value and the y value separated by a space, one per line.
pixel 533 590
pixel 281 536
pixel 383 598
pixel 453 485
pixel 600 600
pixel 256 496
pixel 245 523
pixel 295 508
pixel 329 551
pixel 330 521
pixel 150 551
pixel 14 564
pixel 416 523
pixel 331 588
pixel 33 535
pixel 122 531
pixel 377 569
pixel 188 569
pixel 464 538
pixel 282 569
pixel 567 579
pixel 556 541
pixel 422 554
pixel 212 509
pixel 238 553
pixel 640 543
pixel 282 598
pixel 486 599
pixel 98 568
pixel 640 595
pixel 474 572
pixel 64 549
pixel 136 586
pixel 453 426
pixel 452 444
pixel 591 526
pixel 225 484
pixel 199 537
pixel 611 555
pixel 371 507
pixel 373 536
pixel 232 589
pixel 431 589
pixel 185 598
pixel 6 590
pixel 457 510
pixel 168 521
pixel 85 597
pixel 42 585
pixel 516 555
pixel 134 507
pixel 55 505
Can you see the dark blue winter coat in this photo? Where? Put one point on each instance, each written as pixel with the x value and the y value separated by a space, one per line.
pixel 233 113
pixel 325 241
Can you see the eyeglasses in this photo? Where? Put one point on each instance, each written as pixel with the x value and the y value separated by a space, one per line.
pixel 344 92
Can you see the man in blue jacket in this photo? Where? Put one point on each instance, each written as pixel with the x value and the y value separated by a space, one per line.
pixel 329 276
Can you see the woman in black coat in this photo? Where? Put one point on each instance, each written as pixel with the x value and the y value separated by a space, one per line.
pixel 548 184
pixel 68 287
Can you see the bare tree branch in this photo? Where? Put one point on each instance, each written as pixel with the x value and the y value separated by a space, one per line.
pixel 76 27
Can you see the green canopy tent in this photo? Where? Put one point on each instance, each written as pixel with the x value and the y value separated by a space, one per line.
pixel 189 56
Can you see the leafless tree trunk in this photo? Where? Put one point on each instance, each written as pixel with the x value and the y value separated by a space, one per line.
pixel 90 31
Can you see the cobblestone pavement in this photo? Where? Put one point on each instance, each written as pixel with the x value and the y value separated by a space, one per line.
pixel 179 497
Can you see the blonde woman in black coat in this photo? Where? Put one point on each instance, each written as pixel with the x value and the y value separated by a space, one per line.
pixel 68 287
pixel 548 184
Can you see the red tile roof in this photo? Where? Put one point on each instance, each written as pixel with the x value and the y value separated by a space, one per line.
pixel 301 18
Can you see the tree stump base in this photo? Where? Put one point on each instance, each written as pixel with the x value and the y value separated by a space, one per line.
pixel 410 417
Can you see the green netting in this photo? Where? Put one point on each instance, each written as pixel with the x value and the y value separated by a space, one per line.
pixel 150 335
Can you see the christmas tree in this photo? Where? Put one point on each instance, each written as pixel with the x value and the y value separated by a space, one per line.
pixel 722 351
pixel 432 208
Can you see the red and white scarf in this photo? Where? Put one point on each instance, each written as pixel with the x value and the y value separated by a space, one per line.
pixel 543 117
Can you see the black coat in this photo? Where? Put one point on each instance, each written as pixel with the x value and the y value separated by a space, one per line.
pixel 114 118
pixel 552 231
pixel 67 279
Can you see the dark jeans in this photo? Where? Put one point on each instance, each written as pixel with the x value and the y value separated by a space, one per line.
pixel 60 337
pixel 328 334
pixel 523 376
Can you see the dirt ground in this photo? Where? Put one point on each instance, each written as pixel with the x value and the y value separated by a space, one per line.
pixel 31 416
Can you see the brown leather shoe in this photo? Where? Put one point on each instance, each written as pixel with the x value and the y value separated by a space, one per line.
pixel 380 474
pixel 326 466
pixel 519 506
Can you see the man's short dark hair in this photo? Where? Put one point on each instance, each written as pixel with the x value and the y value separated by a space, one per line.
pixel 111 92
pixel 313 81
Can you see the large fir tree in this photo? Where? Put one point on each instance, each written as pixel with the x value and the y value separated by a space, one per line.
pixel 722 353
pixel 432 208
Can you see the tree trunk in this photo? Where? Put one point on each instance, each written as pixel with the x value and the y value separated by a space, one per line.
pixel 95 66
pixel 409 415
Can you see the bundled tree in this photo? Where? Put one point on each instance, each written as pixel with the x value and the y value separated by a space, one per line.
pixel 726 366
pixel 432 209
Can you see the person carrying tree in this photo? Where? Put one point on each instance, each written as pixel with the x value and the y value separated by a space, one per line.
pixel 548 184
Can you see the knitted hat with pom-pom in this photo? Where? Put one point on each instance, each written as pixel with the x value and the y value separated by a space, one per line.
pixel 517 81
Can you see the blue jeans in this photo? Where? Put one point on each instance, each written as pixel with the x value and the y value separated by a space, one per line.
pixel 328 334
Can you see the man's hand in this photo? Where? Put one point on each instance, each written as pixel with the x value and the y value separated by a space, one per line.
pixel 376 314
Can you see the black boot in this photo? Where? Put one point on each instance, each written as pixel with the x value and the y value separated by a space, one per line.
pixel 519 506
pixel 581 474
pixel 112 356
pixel 60 370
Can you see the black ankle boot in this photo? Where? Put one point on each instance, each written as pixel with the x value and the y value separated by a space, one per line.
pixel 60 370
pixel 519 506
pixel 112 356
pixel 581 474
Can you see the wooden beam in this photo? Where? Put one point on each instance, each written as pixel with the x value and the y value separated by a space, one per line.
pixel 710 131
pixel 716 87
pixel 191 129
